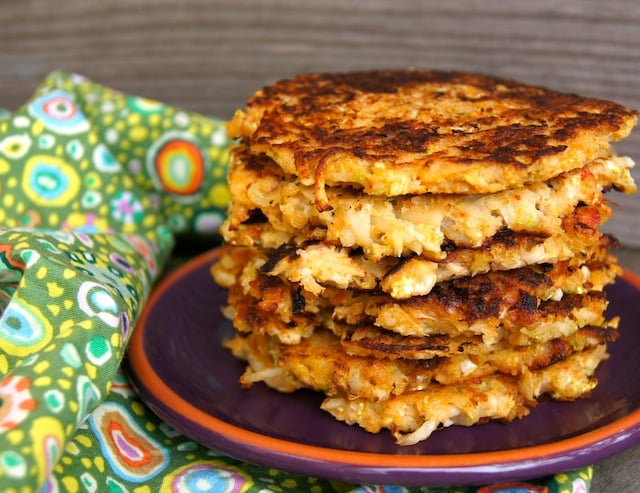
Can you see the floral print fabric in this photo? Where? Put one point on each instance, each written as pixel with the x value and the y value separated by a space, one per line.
pixel 95 187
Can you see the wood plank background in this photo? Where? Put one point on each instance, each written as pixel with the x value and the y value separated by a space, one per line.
pixel 210 55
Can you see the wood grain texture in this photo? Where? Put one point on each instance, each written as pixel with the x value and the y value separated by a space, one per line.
pixel 209 56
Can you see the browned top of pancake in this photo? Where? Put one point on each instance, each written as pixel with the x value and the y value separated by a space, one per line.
pixel 394 132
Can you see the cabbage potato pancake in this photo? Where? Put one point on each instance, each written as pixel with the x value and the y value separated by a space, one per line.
pixel 399 132
pixel 408 397
pixel 419 224
pixel 412 417
pixel 320 363
pixel 553 319
pixel 549 320
pixel 479 305
pixel 317 265
pixel 491 305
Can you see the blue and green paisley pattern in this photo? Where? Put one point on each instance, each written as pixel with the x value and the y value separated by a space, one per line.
pixel 95 187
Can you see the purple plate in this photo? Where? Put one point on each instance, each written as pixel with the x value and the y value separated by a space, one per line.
pixel 179 367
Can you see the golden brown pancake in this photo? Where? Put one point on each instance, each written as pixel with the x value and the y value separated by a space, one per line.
pixel 318 266
pixel 478 305
pixel 320 363
pixel 412 417
pixel 398 132
pixel 250 315
pixel 551 320
pixel 486 305
pixel 419 225
pixel 523 319
pixel 407 398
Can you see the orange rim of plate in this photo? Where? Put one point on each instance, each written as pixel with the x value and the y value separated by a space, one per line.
pixel 142 367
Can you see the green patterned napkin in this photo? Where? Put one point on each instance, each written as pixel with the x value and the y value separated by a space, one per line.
pixel 95 187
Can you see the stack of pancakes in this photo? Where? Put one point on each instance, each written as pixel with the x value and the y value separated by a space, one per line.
pixel 422 247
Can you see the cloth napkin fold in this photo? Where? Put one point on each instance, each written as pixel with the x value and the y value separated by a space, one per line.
pixel 96 187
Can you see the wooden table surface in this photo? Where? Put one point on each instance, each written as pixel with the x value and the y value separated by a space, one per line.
pixel 210 55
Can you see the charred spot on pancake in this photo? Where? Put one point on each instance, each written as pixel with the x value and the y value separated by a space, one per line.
pixel 298 301
pixel 527 302
pixel 256 216
pixel 392 344
pixel 281 253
